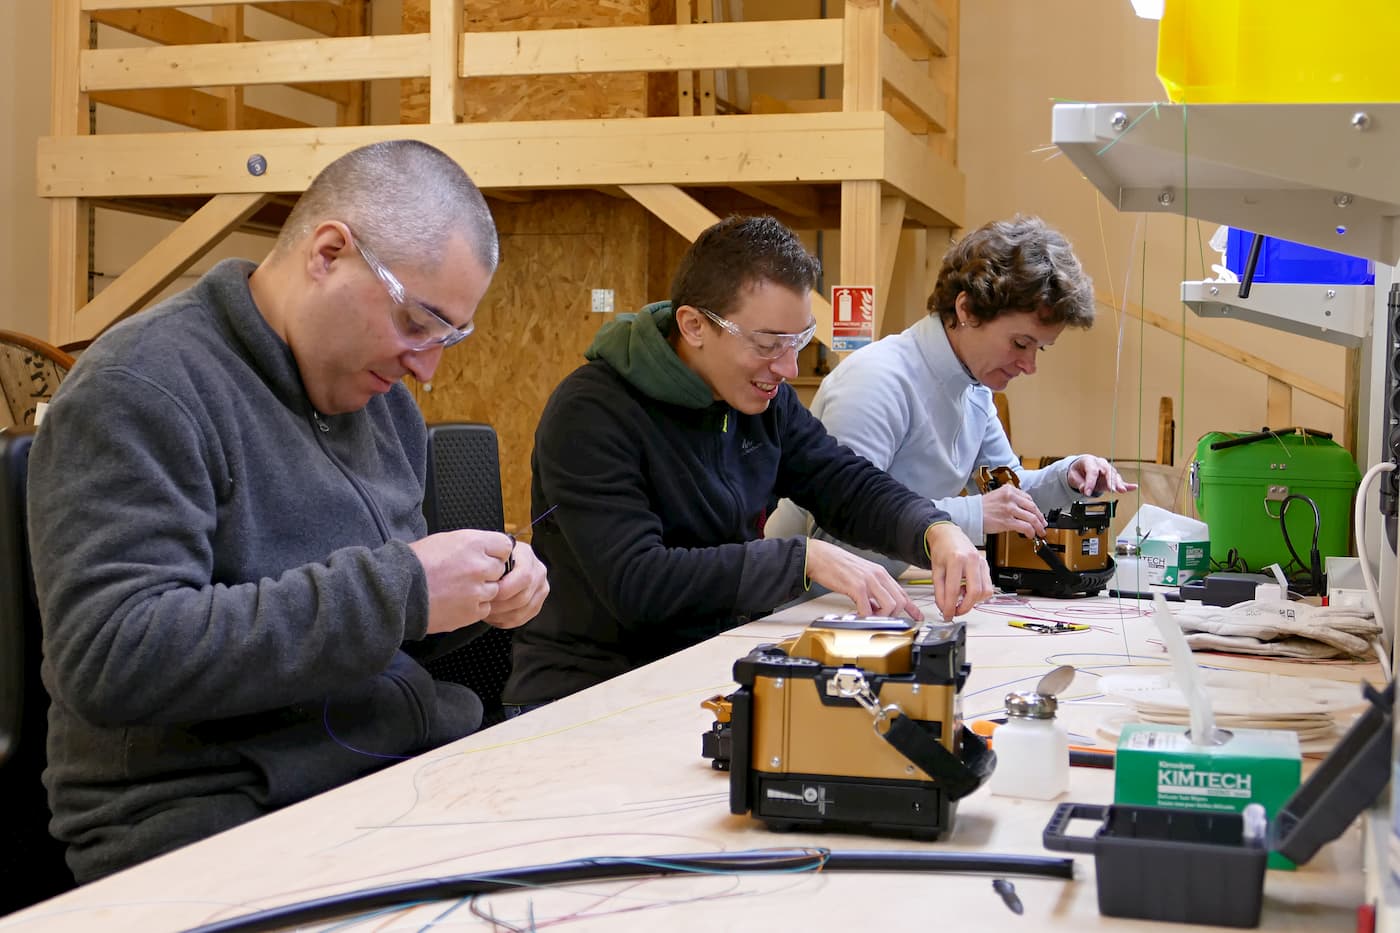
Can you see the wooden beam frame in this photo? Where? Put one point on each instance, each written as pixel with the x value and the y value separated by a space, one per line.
pixel 742 149
pixel 927 22
pixel 1278 411
pixel 653 48
pixel 445 101
pixel 674 207
pixel 89 6
pixel 164 263
pixel 797 200
pixel 166 27
pixel 910 83
pixel 327 18
pixel 196 109
pixel 68 216
pixel 891 225
pixel 1300 382
pixel 352 58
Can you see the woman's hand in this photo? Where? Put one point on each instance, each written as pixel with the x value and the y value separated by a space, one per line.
pixel 1094 476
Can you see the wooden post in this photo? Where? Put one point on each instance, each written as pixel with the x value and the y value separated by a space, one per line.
pixel 230 20
pixel 860 200
pixel 354 111
pixel 685 79
pixel 1166 432
pixel 944 70
pixel 1351 404
pixel 68 223
pixel 891 226
pixel 908 298
pixel 1279 409
pixel 445 83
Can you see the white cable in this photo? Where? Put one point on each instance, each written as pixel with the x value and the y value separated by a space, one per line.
pixel 1359 523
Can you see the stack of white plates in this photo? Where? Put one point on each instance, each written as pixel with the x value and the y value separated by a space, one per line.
pixel 1314 708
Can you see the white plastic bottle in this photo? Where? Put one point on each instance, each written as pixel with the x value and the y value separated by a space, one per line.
pixel 1032 749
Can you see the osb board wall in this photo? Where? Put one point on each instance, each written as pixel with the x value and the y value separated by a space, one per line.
pixel 542 97
pixel 535 321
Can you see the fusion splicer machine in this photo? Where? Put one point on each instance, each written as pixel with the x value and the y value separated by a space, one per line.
pixel 1074 558
pixel 853 724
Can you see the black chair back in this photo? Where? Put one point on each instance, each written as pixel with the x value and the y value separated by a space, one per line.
pixel 31 861
pixel 464 491
pixel 464 478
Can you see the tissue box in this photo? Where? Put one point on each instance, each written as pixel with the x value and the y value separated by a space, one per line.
pixel 1174 562
pixel 1173 548
pixel 1158 766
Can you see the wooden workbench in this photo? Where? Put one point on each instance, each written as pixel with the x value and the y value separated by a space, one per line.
pixel 616 770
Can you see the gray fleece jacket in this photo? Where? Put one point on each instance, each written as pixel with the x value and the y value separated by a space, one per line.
pixel 224 583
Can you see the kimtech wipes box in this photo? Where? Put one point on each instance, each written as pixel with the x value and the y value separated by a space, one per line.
pixel 1173 549
pixel 1157 765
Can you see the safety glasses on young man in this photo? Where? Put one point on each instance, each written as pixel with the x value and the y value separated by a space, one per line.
pixel 768 346
pixel 419 325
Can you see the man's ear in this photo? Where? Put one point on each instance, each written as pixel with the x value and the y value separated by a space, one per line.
pixel 690 325
pixel 327 243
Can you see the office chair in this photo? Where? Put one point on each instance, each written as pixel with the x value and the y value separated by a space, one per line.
pixel 31 861
pixel 464 491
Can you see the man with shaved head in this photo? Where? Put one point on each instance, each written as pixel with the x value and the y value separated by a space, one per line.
pixel 226 523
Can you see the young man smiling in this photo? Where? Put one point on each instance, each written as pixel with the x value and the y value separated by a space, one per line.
pixel 658 459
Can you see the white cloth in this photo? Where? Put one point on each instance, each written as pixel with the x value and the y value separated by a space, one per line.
pixel 907 404
pixel 1279 629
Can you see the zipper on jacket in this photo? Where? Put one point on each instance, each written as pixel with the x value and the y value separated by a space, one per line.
pixel 354 481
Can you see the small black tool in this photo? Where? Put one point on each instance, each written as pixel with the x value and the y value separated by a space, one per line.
pixel 510 558
pixel 1007 890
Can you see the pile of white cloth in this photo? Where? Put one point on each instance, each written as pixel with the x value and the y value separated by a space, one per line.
pixel 1281 629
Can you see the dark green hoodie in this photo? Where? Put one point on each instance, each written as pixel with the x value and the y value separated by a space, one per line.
pixel 638 348
pixel 659 493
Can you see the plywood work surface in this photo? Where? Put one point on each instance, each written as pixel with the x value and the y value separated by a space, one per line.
pixel 616 770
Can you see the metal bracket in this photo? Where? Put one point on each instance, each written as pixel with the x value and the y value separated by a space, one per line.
pixel 850 683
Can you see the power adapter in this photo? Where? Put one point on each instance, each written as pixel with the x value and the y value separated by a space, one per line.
pixel 1225 588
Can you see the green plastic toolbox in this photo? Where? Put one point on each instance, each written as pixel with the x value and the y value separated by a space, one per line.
pixel 1240 483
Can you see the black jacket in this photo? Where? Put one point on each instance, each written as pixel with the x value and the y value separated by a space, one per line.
pixel 656 542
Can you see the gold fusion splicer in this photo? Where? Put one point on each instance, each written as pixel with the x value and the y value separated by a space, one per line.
pixel 855 723
pixel 1074 558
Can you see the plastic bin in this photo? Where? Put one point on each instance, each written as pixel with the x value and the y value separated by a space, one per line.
pixel 1278 51
pixel 1195 866
pixel 1238 491
pixel 1180 866
pixel 1286 261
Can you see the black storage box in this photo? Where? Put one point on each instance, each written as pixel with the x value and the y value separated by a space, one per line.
pixel 1195 866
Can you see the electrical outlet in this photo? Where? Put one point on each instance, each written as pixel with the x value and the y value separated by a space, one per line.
pixel 602 301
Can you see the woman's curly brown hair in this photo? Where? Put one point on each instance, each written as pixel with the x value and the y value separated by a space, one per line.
pixel 1010 266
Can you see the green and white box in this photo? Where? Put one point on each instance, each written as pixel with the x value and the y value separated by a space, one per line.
pixel 1174 562
pixel 1158 766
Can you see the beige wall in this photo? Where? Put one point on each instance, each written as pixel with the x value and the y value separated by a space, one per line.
pixel 1017 58
pixel 24 220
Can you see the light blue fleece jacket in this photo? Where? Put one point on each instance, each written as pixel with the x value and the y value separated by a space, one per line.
pixel 907 404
